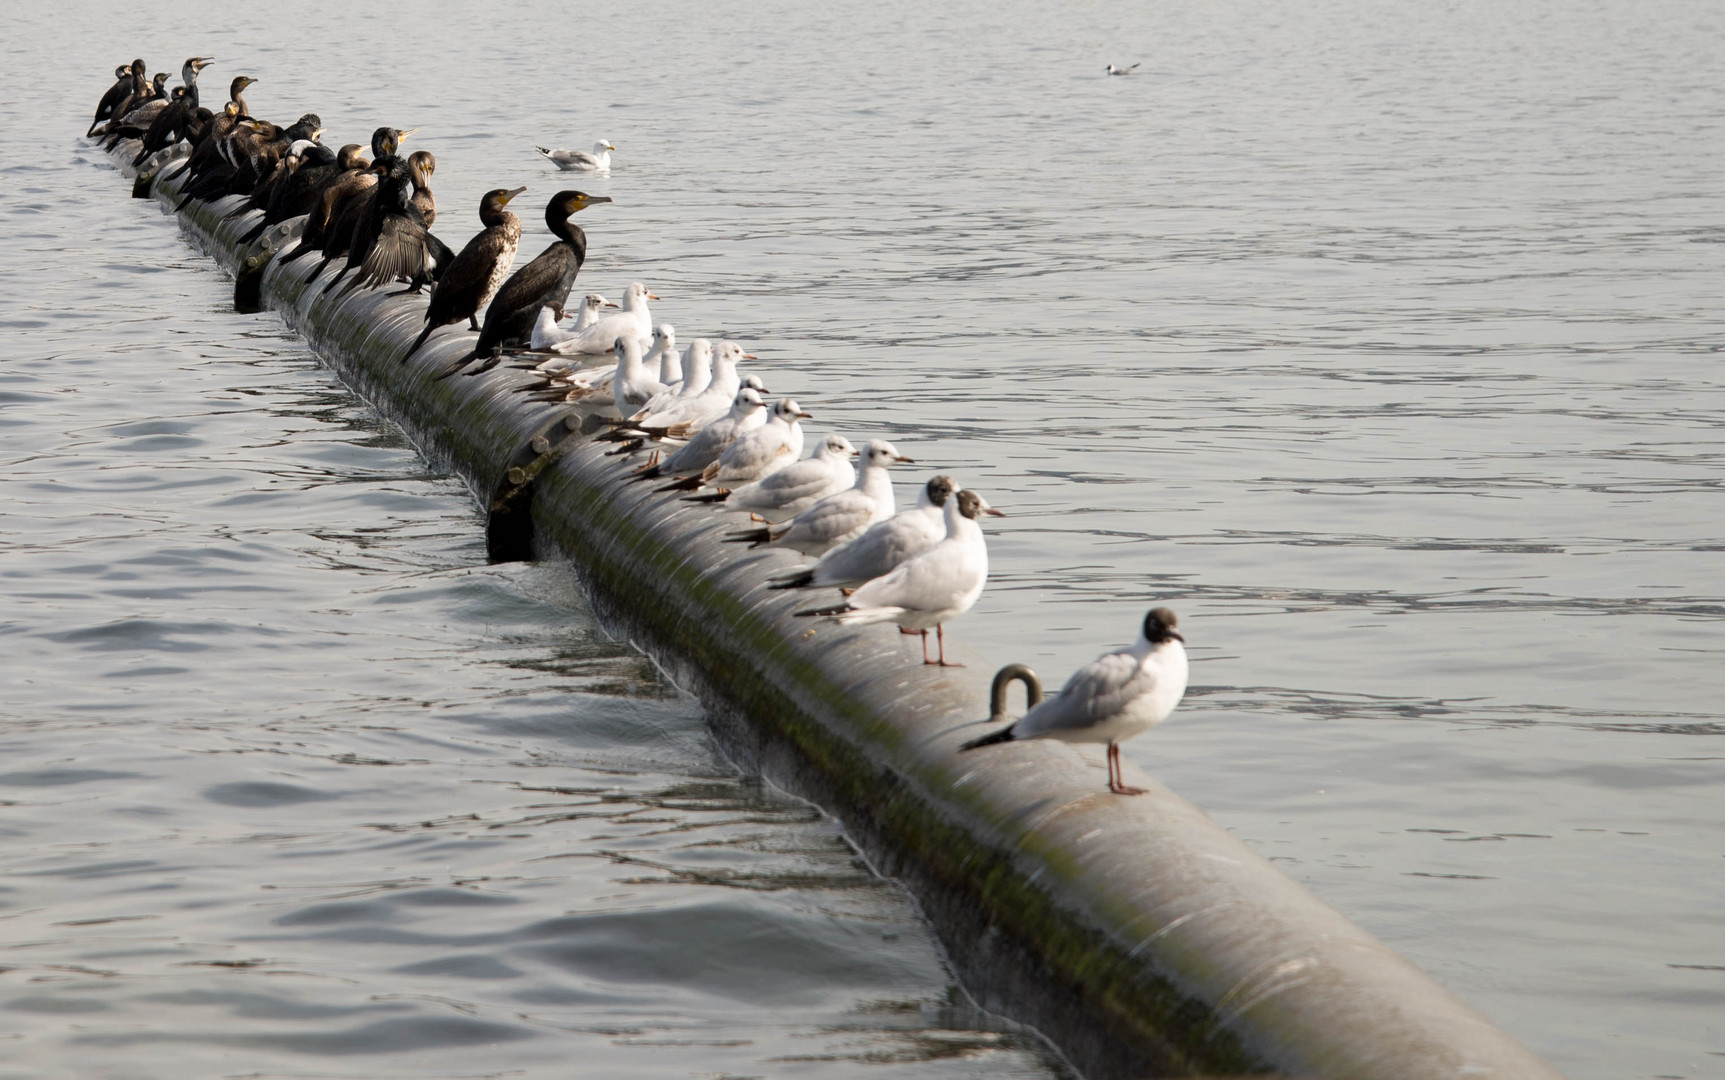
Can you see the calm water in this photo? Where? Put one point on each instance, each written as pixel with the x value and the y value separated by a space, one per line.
pixel 1381 345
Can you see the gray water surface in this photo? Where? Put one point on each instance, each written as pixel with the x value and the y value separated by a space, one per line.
pixel 1380 343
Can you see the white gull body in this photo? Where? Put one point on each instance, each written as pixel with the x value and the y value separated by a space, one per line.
pixel 927 591
pixel 1118 695
pixel 580 160
pixel 882 546
pixel 799 485
pixel 841 516
pixel 634 321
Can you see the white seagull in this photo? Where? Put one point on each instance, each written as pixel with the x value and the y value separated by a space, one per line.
pixel 747 412
pixel 796 487
pixel 634 320
pixel 940 584
pixel 683 417
pixel 547 333
pixel 697 362
pixel 1112 70
pixel 882 546
pixel 754 454
pixel 839 517
pixel 580 161
pixel 1112 698
pixel 665 354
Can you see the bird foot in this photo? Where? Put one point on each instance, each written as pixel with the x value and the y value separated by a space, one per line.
pixel 902 629
pixel 1125 789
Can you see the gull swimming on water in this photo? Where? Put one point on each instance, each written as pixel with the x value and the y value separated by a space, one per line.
pixel 1112 70
pixel 882 546
pixel 579 160
pixel 1114 697
pixel 940 584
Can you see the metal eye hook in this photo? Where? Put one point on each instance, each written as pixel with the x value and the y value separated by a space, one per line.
pixel 1005 678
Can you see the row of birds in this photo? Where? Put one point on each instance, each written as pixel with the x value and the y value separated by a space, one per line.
pixel 712 435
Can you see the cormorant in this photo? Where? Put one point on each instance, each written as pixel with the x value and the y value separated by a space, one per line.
pixel 117 93
pixel 397 241
pixel 136 94
pixel 140 110
pixel 301 192
pixel 170 124
pixel 332 202
pixel 208 153
pixel 355 208
pixel 469 282
pixel 546 280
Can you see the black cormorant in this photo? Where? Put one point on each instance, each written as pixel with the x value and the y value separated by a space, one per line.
pixel 170 124
pixel 397 241
pixel 117 93
pixel 546 280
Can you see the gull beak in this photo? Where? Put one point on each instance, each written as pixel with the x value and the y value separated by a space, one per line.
pixel 856 453
pixel 1177 636
pixel 610 303
pixel 610 146
pixel 901 457
pixel 652 296
pixel 992 512
pixel 805 416
pixel 750 356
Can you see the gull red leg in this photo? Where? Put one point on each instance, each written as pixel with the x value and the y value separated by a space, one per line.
pixel 1117 782
pixel 940 638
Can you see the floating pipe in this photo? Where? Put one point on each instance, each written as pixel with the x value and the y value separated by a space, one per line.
pixel 1136 934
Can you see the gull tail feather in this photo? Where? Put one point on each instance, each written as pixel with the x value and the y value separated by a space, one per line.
pixel 1003 735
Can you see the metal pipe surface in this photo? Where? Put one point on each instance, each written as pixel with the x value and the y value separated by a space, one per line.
pixel 1135 933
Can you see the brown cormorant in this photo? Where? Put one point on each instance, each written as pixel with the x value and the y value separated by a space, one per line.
pixel 469 282
pixel 546 280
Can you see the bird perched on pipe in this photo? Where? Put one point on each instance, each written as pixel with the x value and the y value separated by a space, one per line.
pixel 1114 697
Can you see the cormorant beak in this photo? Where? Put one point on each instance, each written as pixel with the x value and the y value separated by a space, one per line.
pixel 905 460
pixel 510 194
pixel 201 62
pixel 403 136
